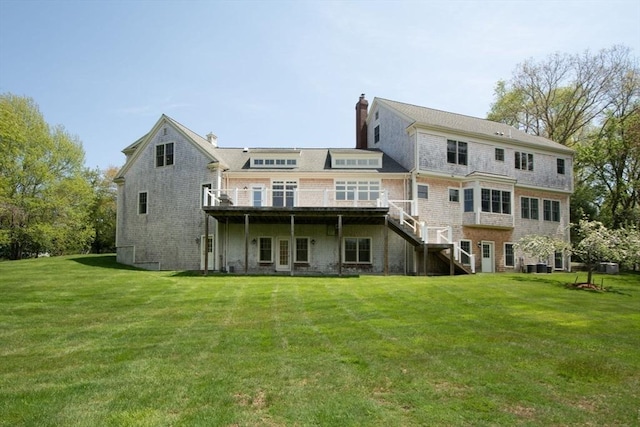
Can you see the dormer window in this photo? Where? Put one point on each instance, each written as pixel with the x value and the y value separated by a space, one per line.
pixel 273 163
pixel 272 158
pixel 358 160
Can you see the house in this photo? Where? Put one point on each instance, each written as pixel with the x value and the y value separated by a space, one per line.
pixel 423 191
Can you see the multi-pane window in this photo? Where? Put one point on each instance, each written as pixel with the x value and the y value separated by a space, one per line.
pixel 509 257
pixel 456 152
pixel 357 250
pixel 500 154
pixel 274 163
pixel 524 161
pixel 423 191
pixel 558 260
pixel 164 154
pixel 142 203
pixel 560 166
pixel 529 208
pixel 284 193
pixel 551 210
pixel 454 195
pixel 364 190
pixel 468 199
pixel 256 195
pixel 302 250
pixel 465 258
pixel 266 251
pixel 495 201
pixel 376 134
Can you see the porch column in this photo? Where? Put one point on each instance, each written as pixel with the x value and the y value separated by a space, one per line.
pixel 452 268
pixel 246 243
pixel 339 245
pixel 205 244
pixel 386 245
pixel 426 257
pixel 291 246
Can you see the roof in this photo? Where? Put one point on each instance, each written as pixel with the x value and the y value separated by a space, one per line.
pixel 443 120
pixel 310 160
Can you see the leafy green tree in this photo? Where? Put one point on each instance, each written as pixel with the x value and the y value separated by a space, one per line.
pixel 561 96
pixel 103 209
pixel 44 194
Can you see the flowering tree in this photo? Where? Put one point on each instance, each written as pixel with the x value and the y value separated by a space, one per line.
pixel 541 247
pixel 597 244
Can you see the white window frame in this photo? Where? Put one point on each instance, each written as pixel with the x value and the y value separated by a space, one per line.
pixel 271 250
pixel 529 210
pixel 349 190
pixel 358 260
pixel 254 189
pixel 470 251
pixel 286 183
pixel 457 193
pixel 426 186
pixel 164 154
pixel 146 203
pixel 295 250
pixel 513 254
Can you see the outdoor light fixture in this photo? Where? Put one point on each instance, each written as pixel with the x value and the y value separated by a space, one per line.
pixel 254 241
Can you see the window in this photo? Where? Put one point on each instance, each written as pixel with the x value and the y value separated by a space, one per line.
pixel 468 199
pixel 357 250
pixel 423 191
pixel 266 254
pixel 284 193
pixel 509 257
pixel 164 154
pixel 142 203
pixel 524 161
pixel 529 208
pixel 302 250
pixel 360 162
pixel 558 260
pixel 560 166
pixel 274 163
pixel 465 258
pixel 454 195
pixel 456 152
pixel 500 154
pixel 495 201
pixel 377 115
pixel 376 134
pixel 365 190
pixel 551 210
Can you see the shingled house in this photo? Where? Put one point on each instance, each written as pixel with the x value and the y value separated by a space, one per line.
pixel 423 192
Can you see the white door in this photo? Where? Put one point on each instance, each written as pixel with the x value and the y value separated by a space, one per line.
pixel 283 255
pixel 488 257
pixel 210 253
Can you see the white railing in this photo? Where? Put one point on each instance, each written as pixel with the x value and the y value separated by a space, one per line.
pixel 445 235
pixel 310 198
pixel 398 212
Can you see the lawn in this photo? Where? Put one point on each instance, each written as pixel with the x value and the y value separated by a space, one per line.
pixel 84 341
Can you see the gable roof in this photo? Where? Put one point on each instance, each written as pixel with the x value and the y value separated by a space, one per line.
pixel 446 121
pixel 134 150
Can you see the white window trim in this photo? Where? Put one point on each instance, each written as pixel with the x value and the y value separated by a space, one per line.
pixel 470 249
pixel 504 254
pixel 295 250
pixel 272 249
pixel 449 195
pixel 261 188
pixel 344 241
pixel 146 203
pixel 418 185
pixel 164 157
pixel 355 182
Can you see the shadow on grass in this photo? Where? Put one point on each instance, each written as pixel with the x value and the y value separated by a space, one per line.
pixel 103 261
pixel 548 279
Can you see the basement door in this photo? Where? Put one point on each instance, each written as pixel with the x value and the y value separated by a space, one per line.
pixel 210 253
pixel 488 257
pixel 283 255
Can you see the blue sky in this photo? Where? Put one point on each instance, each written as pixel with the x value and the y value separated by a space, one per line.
pixel 277 73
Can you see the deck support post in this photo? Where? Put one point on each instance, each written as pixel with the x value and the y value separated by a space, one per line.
pixel 386 245
pixel 426 257
pixel 205 244
pixel 246 243
pixel 452 268
pixel 339 245
pixel 292 245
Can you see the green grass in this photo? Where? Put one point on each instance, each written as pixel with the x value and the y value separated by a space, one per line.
pixel 86 342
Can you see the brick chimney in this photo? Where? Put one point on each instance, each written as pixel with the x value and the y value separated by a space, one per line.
pixel 361 123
